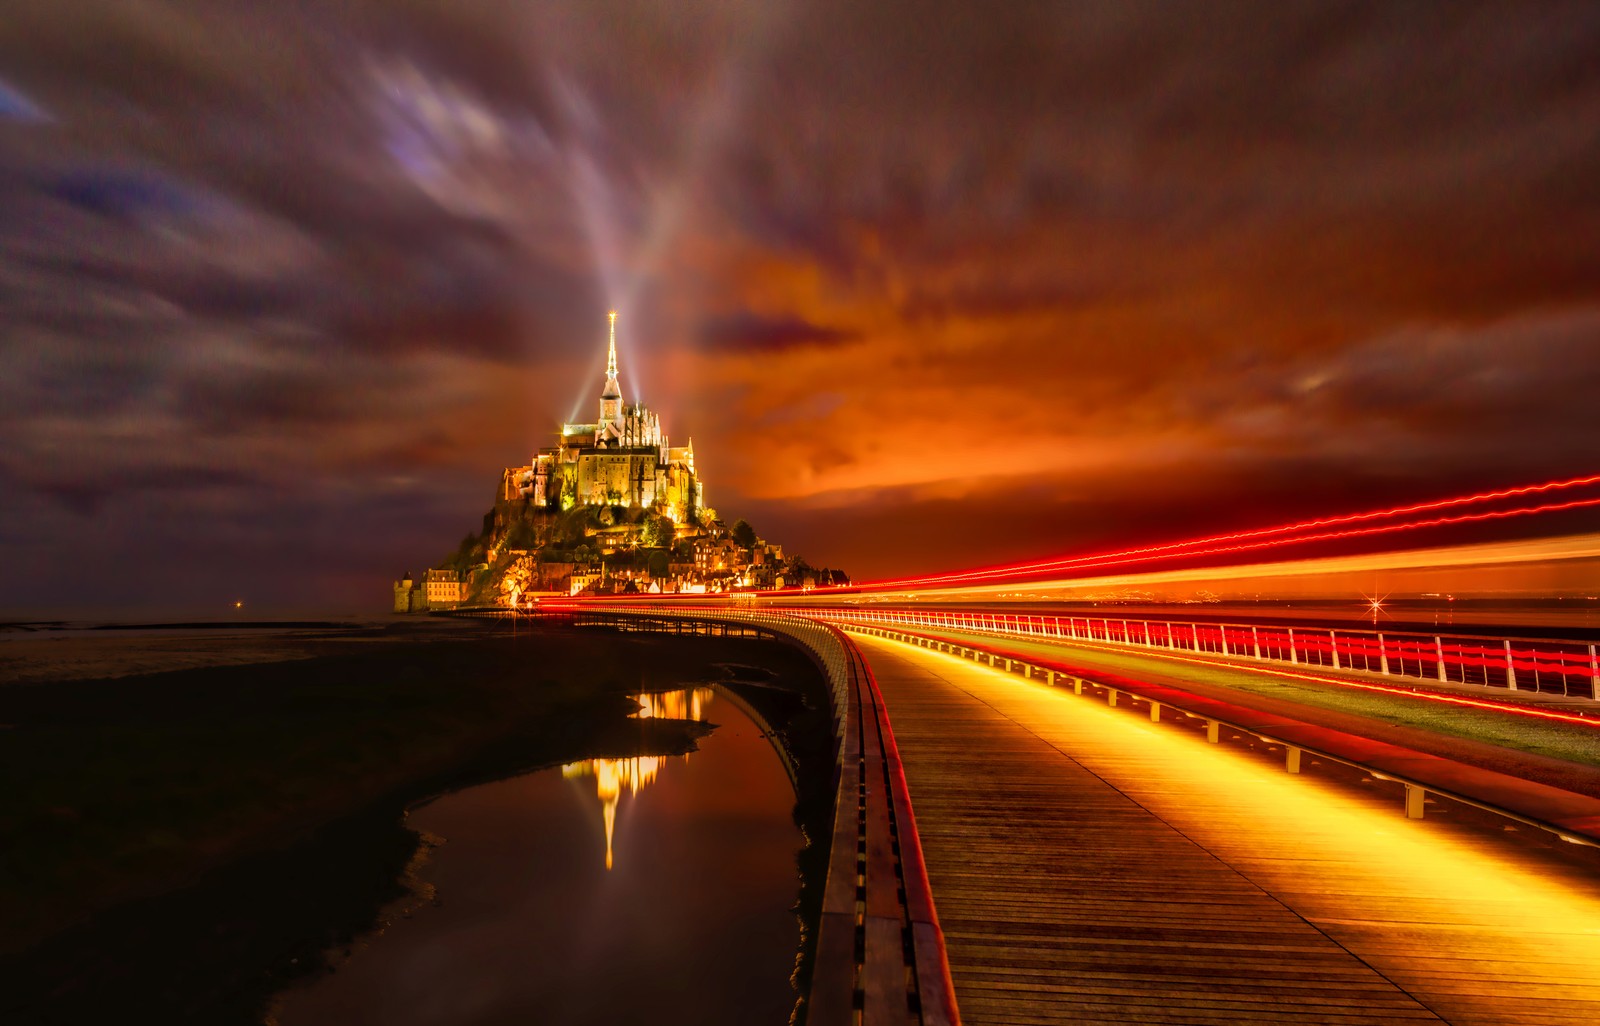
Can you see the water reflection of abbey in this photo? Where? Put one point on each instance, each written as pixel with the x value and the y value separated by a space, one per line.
pixel 613 776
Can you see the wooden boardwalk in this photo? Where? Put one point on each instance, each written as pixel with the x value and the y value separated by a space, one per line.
pixel 1090 866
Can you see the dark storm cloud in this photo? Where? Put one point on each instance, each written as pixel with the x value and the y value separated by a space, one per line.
pixel 295 256
pixel 1512 389
pixel 1182 122
pixel 88 495
pixel 748 331
pixel 17 107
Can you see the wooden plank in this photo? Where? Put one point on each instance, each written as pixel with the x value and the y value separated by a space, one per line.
pixel 875 985
pixel 882 864
pixel 833 1003
pixel 883 974
pixel 839 893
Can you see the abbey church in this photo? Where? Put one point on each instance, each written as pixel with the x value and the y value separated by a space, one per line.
pixel 622 459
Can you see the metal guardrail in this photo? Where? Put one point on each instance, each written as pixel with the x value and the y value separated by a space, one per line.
pixel 880 957
pixel 1416 790
pixel 1546 666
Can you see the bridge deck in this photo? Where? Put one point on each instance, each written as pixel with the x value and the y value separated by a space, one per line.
pixel 1090 866
pixel 1562 755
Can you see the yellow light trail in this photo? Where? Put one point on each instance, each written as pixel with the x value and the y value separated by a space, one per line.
pixel 1476 928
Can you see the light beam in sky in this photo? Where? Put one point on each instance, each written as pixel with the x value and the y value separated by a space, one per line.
pixel 625 266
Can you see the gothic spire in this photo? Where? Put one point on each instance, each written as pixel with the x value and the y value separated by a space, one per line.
pixel 613 390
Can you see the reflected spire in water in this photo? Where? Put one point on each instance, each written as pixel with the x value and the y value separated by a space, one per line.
pixel 613 775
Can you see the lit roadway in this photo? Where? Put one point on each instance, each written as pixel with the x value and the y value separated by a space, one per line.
pixel 1092 866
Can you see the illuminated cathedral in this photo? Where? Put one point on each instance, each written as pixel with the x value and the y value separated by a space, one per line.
pixel 622 459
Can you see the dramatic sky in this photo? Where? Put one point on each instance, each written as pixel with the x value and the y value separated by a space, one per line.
pixel 283 286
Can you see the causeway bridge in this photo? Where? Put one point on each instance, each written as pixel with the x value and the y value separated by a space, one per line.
pixel 1041 821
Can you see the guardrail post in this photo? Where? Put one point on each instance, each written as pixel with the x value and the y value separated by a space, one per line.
pixel 1333 647
pixel 1438 651
pixel 1291 759
pixel 1511 669
pixel 1383 657
pixel 1155 712
pixel 1194 632
pixel 1077 685
pixel 1255 641
pixel 1594 675
pixel 1212 728
pixel 1414 797
pixel 1294 657
pixel 1111 697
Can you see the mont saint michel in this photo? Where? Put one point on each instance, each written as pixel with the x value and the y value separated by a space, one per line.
pixel 1200 396
pixel 611 507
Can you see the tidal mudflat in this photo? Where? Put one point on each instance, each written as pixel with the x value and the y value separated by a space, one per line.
pixel 192 841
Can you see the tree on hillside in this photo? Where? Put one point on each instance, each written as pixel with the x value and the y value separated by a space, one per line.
pixel 658 531
pixel 467 554
pixel 575 524
pixel 744 534
pixel 660 564
pixel 522 536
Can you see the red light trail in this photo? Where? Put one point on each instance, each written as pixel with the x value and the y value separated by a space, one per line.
pixel 1271 537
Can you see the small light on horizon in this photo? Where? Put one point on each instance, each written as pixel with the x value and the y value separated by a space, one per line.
pixel 238 605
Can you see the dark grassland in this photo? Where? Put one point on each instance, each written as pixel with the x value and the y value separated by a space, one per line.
pixel 179 846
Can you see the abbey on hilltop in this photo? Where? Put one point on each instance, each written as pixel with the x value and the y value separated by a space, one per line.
pixel 611 508
pixel 622 459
